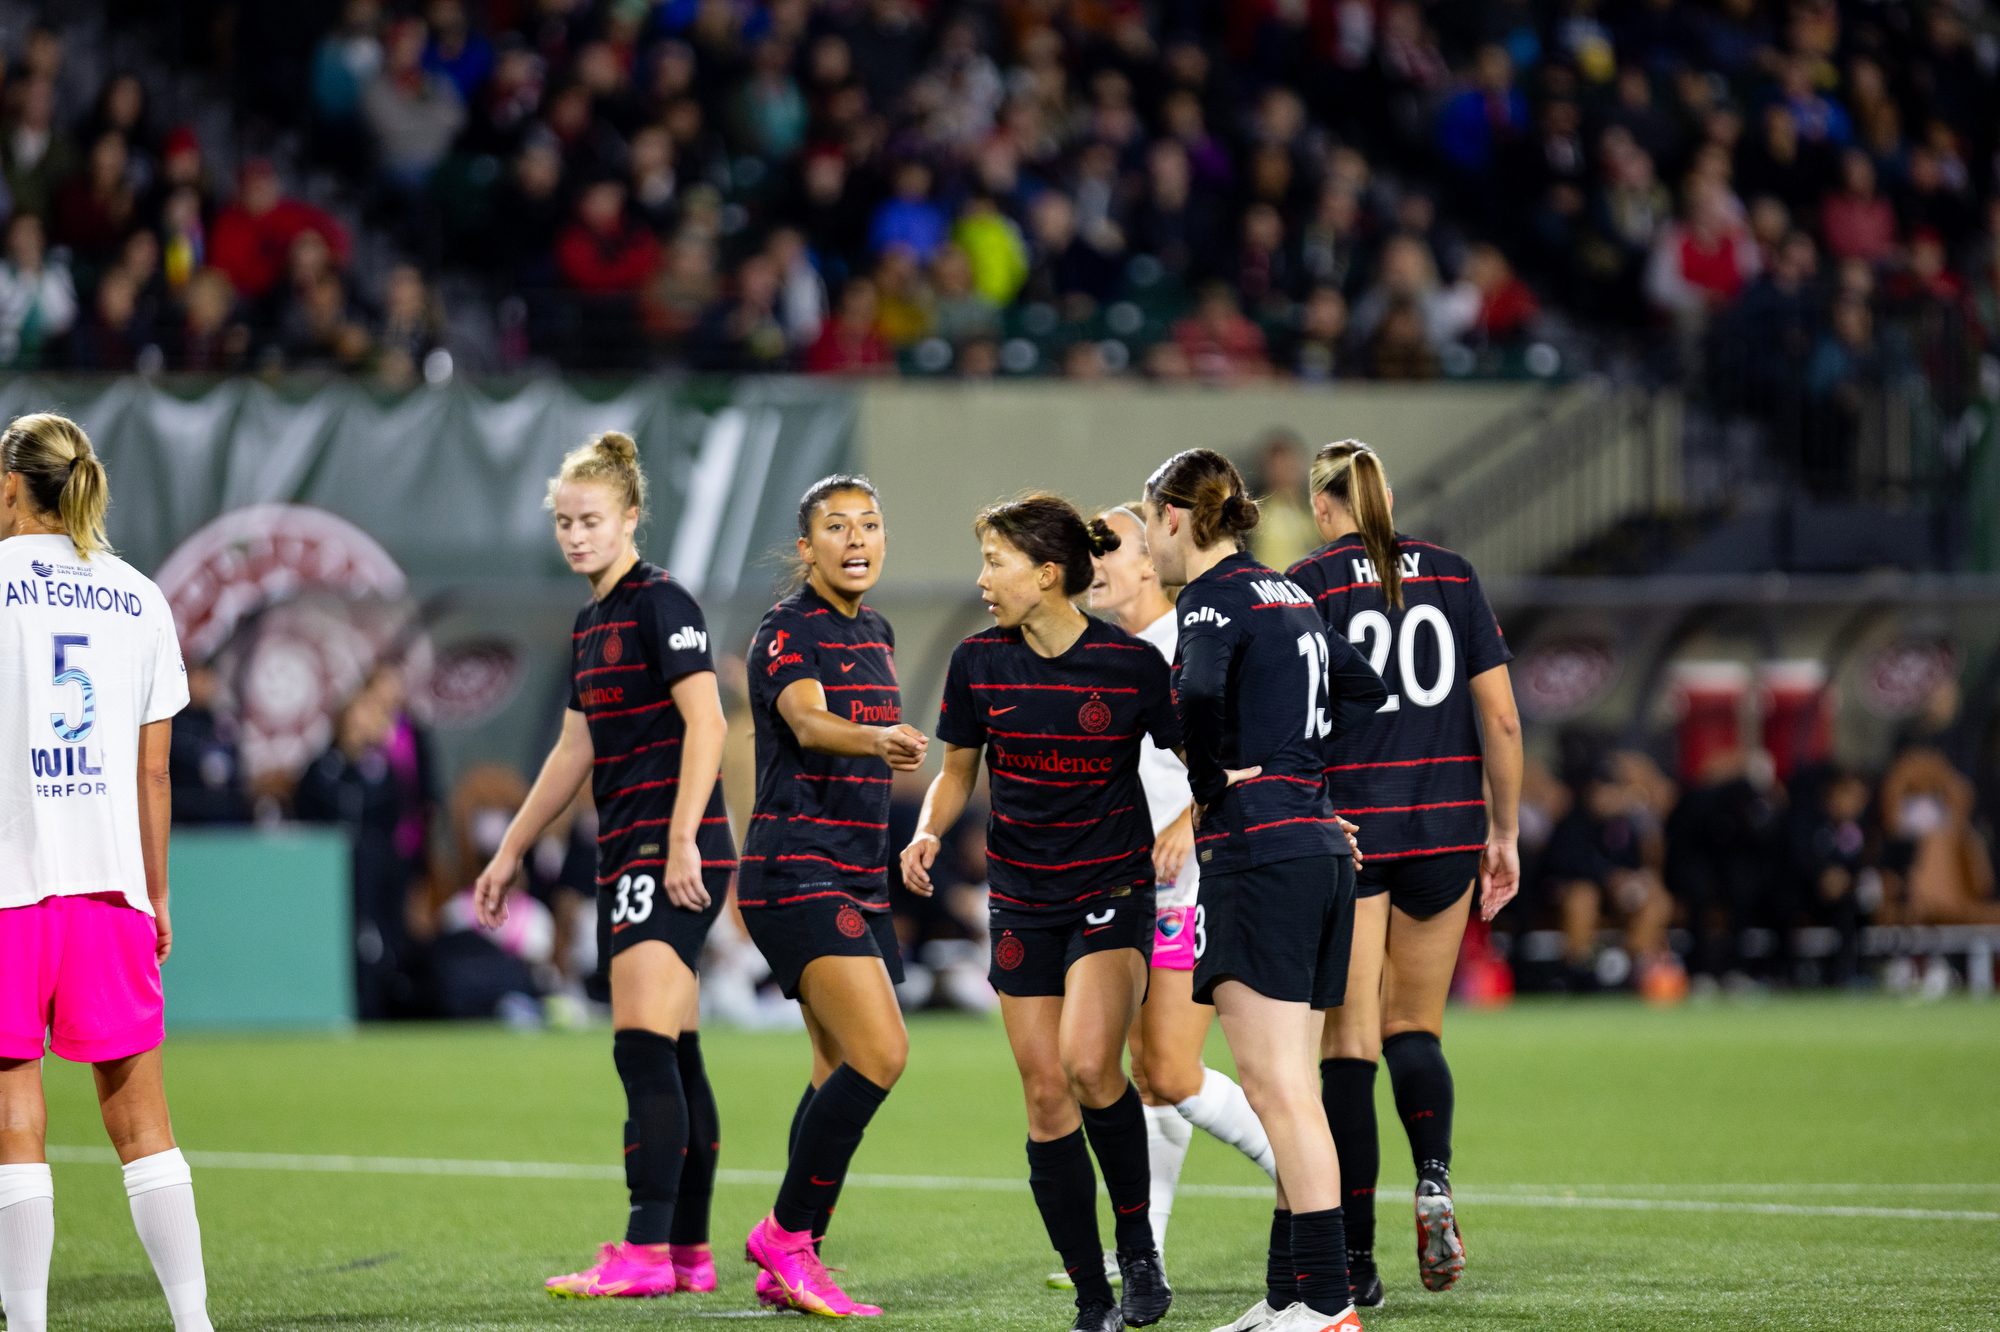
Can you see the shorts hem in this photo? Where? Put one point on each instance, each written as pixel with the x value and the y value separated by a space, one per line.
pixel 21 1047
pixel 135 1039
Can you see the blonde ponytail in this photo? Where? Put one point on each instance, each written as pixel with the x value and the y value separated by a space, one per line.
pixel 65 482
pixel 1352 473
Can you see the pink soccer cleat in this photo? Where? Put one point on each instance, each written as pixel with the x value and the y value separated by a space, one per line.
pixel 694 1268
pixel 768 1293
pixel 798 1279
pixel 627 1270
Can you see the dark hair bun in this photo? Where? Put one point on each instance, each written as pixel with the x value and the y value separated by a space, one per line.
pixel 1102 539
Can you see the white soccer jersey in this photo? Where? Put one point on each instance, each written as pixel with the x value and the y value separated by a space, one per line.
pixel 88 655
pixel 1165 777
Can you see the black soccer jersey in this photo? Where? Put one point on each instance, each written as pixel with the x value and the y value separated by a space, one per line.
pixel 1069 824
pixel 625 656
pixel 1410 777
pixel 1260 684
pixel 821 825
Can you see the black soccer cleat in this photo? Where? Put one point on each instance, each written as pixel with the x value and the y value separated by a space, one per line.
pixel 1097 1316
pixel 1367 1288
pixel 1147 1294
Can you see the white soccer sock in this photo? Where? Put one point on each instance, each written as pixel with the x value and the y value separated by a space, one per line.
pixel 1167 1139
pixel 27 1237
pixel 161 1191
pixel 1221 1108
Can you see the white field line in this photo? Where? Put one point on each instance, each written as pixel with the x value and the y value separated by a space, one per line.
pixel 1520 1195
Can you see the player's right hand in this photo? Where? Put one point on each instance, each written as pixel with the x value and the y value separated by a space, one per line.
pixel 490 889
pixel 917 858
pixel 163 932
pixel 902 747
pixel 1499 876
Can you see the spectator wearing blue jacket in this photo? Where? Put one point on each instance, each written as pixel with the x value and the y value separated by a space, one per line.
pixel 909 217
pixel 1478 124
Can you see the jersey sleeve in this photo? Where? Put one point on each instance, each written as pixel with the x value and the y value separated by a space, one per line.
pixel 673 632
pixel 167 689
pixel 783 653
pixel 1485 646
pixel 959 722
pixel 1156 701
pixel 1209 635
pixel 1355 691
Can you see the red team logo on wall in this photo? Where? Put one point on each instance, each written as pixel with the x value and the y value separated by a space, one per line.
pixel 1094 716
pixel 848 921
pixel 1009 952
pixel 614 648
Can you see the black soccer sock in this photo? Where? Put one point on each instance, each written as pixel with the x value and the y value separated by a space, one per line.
pixel 1281 1283
pixel 1319 1259
pixel 1421 1081
pixel 829 1133
pixel 1065 1190
pixel 1118 1136
pixel 1347 1088
pixel 825 1217
pixel 656 1130
pixel 703 1147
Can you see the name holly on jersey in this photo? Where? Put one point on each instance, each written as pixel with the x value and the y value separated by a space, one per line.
pixel 68 761
pixel 1364 570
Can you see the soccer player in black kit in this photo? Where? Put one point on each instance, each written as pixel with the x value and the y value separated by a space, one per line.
pixel 814 887
pixel 645 728
pixel 1261 690
pixel 1058 702
pixel 1434 782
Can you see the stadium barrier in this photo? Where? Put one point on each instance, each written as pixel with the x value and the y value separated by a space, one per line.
pixel 263 929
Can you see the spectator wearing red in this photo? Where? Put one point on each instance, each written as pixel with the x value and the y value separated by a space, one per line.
pixel 1702 263
pixel 603 252
pixel 1859 223
pixel 252 239
pixel 1507 306
pixel 1219 343
pixel 850 343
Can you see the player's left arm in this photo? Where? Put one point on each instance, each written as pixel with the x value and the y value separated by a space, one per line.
pixel 943 804
pixel 1500 741
pixel 156 817
pixel 699 701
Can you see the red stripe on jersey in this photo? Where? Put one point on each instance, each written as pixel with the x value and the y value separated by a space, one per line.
pixel 1405 809
pixel 1373 582
pixel 642 786
pixel 1043 906
pixel 1426 851
pixel 856 646
pixel 1405 763
pixel 600 628
pixel 833 823
pixel 834 689
pixel 807 615
pixel 835 777
pixel 988 640
pixel 1051 823
pixel 1122 647
pixel 604 837
pixel 627 712
pixel 1279 823
pixel 641 864
pixel 1280 777
pixel 1067 864
pixel 1037 735
pixel 620 758
pixel 601 670
pixel 1036 781
pixel 824 860
pixel 1068 689
pixel 809 897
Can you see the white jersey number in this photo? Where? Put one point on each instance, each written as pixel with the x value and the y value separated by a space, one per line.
pixel 72 727
pixel 1318 661
pixel 635 899
pixel 1373 626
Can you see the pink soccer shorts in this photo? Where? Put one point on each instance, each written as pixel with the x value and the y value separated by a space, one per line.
pixel 85 970
pixel 1173 938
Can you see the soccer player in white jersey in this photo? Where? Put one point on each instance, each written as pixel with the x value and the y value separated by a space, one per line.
pixel 1180 1093
pixel 90 679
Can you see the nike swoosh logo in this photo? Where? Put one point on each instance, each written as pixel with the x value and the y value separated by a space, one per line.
pixel 846 667
pixel 1099 930
pixel 633 1148
pixel 616 928
pixel 823 1183
pixel 994 712
pixel 1127 1211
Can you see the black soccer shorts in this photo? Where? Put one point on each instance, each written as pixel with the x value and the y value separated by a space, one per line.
pixel 809 923
pixel 1420 886
pixel 1033 961
pixel 1283 929
pixel 633 908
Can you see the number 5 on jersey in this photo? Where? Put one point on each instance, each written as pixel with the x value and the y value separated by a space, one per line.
pixel 1373 625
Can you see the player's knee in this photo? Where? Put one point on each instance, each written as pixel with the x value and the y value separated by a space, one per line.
pixel 1357 1044
pixel 1171 1081
pixel 1051 1107
pixel 884 1064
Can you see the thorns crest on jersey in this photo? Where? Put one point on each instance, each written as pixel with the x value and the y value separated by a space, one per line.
pixel 1094 716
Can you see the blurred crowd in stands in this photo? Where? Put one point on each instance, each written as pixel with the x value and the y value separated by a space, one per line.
pixel 1799 192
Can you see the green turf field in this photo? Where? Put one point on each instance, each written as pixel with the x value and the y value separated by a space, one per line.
pixel 1691 1126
